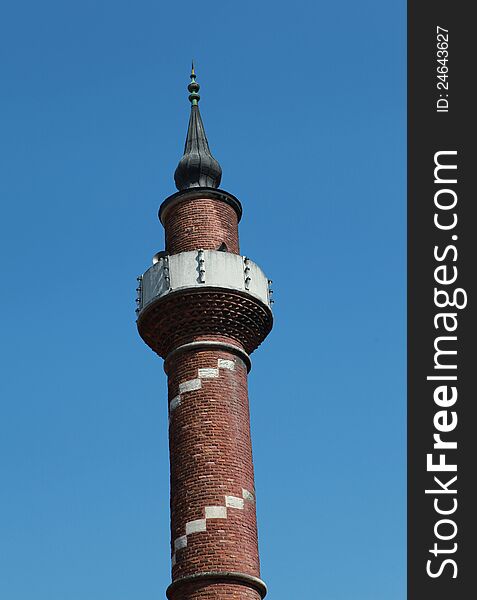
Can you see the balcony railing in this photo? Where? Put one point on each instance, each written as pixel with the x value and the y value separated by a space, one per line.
pixel 202 268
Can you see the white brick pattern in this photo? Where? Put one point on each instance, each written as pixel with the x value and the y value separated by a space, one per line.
pixel 230 502
pixel 190 386
pixel 180 542
pixel 210 512
pixel 174 403
pixel 233 502
pixel 196 384
pixel 195 526
pixel 208 373
pixel 246 495
pixel 215 512
pixel 226 364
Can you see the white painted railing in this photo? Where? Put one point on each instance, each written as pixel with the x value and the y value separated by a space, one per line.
pixel 202 268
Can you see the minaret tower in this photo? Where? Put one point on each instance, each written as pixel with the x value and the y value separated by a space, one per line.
pixel 204 309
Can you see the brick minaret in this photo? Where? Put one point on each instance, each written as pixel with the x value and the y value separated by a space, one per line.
pixel 205 308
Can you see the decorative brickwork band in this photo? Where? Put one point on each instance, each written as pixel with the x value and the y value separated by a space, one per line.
pixel 182 317
pixel 213 518
pixel 227 577
pixel 211 345
pixel 221 195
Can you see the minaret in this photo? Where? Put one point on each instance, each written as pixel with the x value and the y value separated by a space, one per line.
pixel 204 309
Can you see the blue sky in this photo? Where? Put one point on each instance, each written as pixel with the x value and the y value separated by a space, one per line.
pixel 304 107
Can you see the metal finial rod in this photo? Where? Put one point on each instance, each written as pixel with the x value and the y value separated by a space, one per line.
pixel 193 87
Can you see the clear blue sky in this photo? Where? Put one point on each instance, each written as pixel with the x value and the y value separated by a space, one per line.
pixel 304 107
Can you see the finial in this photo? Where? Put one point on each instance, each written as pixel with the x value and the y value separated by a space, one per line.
pixel 197 167
pixel 193 88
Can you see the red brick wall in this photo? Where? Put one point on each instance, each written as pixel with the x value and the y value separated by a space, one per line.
pixel 201 223
pixel 211 457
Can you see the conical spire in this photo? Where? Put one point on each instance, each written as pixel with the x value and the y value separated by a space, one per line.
pixel 197 168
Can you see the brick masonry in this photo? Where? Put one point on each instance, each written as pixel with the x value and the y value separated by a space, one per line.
pixel 201 223
pixel 185 317
pixel 214 545
pixel 213 522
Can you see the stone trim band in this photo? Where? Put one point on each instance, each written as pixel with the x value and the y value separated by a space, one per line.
pixel 218 577
pixel 209 345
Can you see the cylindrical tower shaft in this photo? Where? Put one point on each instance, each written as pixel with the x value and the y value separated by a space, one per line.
pixel 213 522
pixel 200 222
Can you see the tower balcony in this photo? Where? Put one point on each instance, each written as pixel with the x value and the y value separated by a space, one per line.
pixel 203 293
pixel 199 269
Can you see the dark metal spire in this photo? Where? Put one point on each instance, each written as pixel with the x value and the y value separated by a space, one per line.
pixel 197 168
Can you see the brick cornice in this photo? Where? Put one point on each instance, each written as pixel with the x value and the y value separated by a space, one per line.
pixel 209 345
pixel 185 315
pixel 216 577
pixel 199 192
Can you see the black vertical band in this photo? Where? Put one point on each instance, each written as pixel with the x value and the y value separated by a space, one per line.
pixel 442 256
